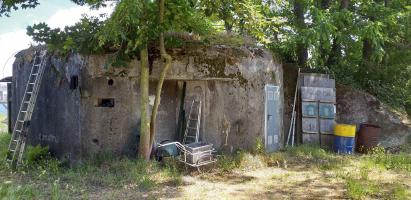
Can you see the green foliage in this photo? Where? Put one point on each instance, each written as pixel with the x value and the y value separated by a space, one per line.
pixel 364 43
pixel 400 192
pixel 37 154
pixel 8 190
pixel 9 5
pixel 227 163
pixel 335 37
pixel 259 146
pixel 133 25
pixel 359 189
pixel 401 161
pixel 4 143
pixel 80 38
pixel 323 159
pixel 408 106
pixel 309 151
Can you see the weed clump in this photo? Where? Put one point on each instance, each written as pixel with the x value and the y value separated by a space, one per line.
pixel 8 190
pixel 37 154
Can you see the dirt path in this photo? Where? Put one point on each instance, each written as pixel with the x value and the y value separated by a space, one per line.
pixel 263 183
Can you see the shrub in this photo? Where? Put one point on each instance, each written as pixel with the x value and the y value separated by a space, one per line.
pixel 259 146
pixel 37 154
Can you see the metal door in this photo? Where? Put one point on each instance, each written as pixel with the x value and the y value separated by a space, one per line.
pixel 272 118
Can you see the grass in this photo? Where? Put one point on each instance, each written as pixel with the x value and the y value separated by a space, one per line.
pixel 3 126
pixel 44 176
pixel 377 176
pixel 361 175
pixel 9 190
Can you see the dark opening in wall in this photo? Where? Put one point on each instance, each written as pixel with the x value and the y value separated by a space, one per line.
pixel 110 82
pixel 95 141
pixel 107 102
pixel 73 82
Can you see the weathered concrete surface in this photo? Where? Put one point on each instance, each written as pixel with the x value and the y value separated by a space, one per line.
pixel 229 81
pixel 355 107
pixel 55 121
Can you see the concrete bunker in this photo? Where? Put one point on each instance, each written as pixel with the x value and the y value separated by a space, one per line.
pixel 86 107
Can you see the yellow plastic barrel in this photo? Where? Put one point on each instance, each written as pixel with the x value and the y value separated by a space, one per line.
pixel 344 130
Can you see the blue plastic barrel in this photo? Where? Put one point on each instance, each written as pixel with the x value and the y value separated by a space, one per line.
pixel 344 145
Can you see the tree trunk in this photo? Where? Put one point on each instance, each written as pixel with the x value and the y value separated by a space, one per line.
pixel 167 58
pixel 302 52
pixel 363 74
pixel 344 4
pixel 144 149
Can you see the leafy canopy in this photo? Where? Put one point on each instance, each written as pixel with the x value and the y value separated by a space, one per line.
pixel 364 43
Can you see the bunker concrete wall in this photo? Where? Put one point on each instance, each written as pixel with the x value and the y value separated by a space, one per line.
pixel 230 82
pixel 233 111
pixel 55 121
pixel 109 129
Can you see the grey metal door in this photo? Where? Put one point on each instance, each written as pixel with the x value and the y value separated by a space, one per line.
pixel 272 118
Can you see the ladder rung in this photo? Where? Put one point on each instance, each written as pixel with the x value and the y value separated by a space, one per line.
pixel 20 120
pixel 15 140
pixel 189 136
pixel 32 83
pixel 29 92
pixel 26 101
pixel 23 111
pixel 35 74
pixel 18 131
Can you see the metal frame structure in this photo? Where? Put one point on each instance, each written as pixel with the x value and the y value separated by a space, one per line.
pixel 185 154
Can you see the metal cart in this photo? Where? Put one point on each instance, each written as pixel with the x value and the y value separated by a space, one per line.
pixel 194 154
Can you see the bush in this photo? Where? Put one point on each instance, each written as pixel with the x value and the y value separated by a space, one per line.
pixel 37 154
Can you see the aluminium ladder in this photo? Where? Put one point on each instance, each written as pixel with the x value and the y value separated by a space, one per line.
pixel 192 131
pixel 20 130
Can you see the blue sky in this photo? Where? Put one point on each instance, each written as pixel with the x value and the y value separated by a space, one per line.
pixel 56 13
pixel 20 19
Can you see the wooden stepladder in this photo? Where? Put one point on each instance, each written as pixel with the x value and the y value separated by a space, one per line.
pixel 192 131
pixel 21 126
